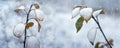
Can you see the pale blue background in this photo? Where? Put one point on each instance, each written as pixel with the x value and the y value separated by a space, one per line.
pixel 58 29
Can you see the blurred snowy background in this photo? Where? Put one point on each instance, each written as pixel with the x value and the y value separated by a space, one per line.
pixel 58 29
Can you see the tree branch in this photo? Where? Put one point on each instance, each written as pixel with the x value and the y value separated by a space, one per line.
pixel 25 26
pixel 102 31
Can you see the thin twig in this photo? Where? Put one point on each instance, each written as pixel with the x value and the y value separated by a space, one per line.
pixel 26 23
pixel 102 31
pixel 25 11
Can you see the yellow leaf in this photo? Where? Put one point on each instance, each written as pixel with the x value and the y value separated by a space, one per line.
pixel 36 6
pixel 28 25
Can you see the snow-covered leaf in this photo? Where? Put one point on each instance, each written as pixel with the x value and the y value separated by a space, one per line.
pixel 19 30
pixel 92 35
pixel 86 13
pixel 75 11
pixel 96 13
pixel 32 42
pixel 19 9
pixel 79 23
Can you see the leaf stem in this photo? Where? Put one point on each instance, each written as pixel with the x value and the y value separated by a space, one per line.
pixel 25 26
pixel 102 31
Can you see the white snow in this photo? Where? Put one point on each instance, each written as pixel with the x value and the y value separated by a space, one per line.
pixel 75 12
pixel 86 12
pixel 21 7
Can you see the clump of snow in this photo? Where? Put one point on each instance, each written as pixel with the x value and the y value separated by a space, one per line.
pixel 86 12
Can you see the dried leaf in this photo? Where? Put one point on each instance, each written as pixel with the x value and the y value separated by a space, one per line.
pixel 38 21
pixel 17 10
pixel 102 12
pixel 79 23
pixel 36 6
pixel 39 27
pixel 111 41
pixel 28 25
